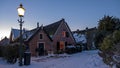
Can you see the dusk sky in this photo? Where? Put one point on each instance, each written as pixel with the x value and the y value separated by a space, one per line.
pixel 79 14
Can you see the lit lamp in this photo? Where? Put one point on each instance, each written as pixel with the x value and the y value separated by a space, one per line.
pixel 21 12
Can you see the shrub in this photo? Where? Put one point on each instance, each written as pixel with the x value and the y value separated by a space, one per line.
pixel 107 44
pixel 2 50
pixel 79 48
pixel 118 65
pixel 116 37
pixel 11 53
pixel 71 50
pixel 110 47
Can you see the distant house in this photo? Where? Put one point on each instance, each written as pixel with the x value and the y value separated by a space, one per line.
pixel 87 37
pixel 4 41
pixel 54 37
pixel 91 37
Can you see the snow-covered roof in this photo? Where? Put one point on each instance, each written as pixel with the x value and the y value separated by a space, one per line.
pixel 15 33
pixel 79 38
pixel 27 34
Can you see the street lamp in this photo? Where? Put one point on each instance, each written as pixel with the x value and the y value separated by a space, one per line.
pixel 21 12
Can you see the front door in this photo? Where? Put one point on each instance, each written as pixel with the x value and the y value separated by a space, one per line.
pixel 41 49
pixel 60 46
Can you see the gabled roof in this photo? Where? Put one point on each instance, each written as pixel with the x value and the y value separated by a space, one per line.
pixel 16 33
pixel 28 34
pixel 4 41
pixel 37 30
pixel 51 29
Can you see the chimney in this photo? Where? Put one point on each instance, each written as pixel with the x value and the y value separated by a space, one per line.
pixel 86 28
pixel 41 26
pixel 37 24
pixel 63 19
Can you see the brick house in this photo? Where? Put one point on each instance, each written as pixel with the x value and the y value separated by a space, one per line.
pixel 90 35
pixel 54 37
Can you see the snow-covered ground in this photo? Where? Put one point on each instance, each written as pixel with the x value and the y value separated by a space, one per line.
pixel 85 59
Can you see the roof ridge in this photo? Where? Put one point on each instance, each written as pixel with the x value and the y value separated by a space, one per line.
pixel 54 22
pixel 52 28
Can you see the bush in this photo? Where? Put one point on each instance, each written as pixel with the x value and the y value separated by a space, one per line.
pixel 0 51
pixel 116 37
pixel 79 48
pixel 60 51
pixel 118 65
pixel 110 47
pixel 11 53
pixel 71 49
pixel 107 44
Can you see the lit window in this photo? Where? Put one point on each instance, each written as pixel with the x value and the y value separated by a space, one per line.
pixel 61 45
pixel 65 34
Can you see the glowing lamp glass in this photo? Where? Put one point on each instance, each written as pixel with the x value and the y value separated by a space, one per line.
pixel 21 11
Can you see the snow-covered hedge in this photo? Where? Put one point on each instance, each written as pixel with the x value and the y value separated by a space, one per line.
pixel 73 49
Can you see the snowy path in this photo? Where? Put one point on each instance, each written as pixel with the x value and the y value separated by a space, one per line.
pixel 86 59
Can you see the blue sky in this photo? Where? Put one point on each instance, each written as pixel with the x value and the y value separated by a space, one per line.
pixel 79 14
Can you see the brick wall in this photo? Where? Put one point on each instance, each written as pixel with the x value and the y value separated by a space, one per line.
pixel 33 43
pixel 59 36
pixel 51 45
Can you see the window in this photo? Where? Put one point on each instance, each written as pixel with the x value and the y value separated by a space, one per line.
pixel 65 34
pixel 61 45
pixel 41 36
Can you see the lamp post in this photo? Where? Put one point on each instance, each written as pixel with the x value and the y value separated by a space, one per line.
pixel 21 12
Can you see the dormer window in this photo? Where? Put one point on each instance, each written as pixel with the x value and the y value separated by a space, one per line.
pixel 41 36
